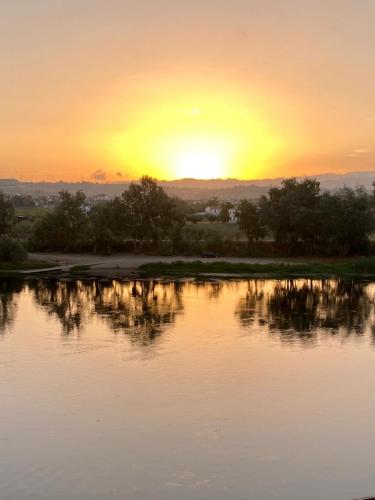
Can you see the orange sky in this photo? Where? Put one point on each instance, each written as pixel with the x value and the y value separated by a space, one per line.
pixel 111 90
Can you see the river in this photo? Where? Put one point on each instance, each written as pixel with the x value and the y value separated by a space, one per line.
pixel 166 390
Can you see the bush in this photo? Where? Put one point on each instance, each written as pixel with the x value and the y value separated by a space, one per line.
pixel 11 250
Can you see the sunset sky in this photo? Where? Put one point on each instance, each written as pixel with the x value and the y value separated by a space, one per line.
pixel 112 89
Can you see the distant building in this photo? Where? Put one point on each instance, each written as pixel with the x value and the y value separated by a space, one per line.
pixel 86 207
pixel 233 219
pixel 212 211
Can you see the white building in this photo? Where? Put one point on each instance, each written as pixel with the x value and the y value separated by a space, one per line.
pixel 233 219
pixel 212 211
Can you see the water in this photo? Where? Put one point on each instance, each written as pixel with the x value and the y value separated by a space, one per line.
pixel 187 390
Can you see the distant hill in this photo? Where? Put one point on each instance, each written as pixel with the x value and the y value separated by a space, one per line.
pixel 189 189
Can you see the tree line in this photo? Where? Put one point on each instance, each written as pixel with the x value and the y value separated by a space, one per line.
pixel 303 219
pixel 144 214
pixel 296 218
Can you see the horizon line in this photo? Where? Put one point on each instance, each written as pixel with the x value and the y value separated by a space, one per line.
pixel 185 179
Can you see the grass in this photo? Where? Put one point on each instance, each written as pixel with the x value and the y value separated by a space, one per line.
pixel 344 268
pixel 24 265
pixel 228 231
pixel 32 212
pixel 79 270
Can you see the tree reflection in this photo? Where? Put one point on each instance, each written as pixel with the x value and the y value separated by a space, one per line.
pixel 9 290
pixel 298 310
pixel 292 310
pixel 66 300
pixel 141 309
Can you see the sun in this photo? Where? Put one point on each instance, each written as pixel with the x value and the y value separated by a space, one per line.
pixel 199 164
pixel 193 134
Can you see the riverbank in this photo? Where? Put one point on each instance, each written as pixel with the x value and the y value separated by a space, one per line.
pixel 138 266
pixel 27 265
pixel 360 267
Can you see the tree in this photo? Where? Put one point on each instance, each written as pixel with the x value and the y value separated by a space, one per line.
pixel 250 222
pixel 224 212
pixel 291 212
pixel 6 214
pixel 107 225
pixel 178 213
pixel 23 201
pixel 347 220
pixel 65 227
pixel 150 214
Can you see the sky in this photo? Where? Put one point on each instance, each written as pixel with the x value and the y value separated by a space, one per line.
pixel 111 90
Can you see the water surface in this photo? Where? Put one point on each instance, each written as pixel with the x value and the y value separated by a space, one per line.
pixel 187 390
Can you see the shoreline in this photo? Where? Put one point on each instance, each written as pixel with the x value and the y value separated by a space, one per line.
pixel 129 266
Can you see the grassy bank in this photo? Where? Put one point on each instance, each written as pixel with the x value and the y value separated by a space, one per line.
pixel 351 268
pixel 24 265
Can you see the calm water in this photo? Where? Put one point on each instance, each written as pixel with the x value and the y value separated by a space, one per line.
pixel 185 390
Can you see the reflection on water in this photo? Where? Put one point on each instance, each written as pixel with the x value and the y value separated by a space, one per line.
pixel 186 390
pixel 139 308
pixel 300 309
pixel 8 302
pixel 295 310
pixel 142 309
pixel 68 301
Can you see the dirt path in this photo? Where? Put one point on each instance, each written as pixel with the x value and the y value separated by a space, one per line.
pixel 132 262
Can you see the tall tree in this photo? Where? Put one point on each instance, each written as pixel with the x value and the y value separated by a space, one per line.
pixel 6 214
pixel 66 226
pixel 291 212
pixel 347 220
pixel 224 212
pixel 149 212
pixel 250 222
pixel 107 225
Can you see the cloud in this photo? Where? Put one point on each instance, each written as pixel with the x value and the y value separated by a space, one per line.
pixel 121 175
pixel 362 150
pixel 358 152
pixel 99 175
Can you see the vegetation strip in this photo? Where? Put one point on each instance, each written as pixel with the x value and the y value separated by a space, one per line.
pixel 24 265
pixel 355 267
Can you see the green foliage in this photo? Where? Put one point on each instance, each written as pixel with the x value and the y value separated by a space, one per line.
pixel 224 212
pixel 250 221
pixel 194 218
pixel 23 201
pixel 297 213
pixel 289 212
pixel 107 225
pixel 6 214
pixel 144 213
pixel 346 268
pixel 79 270
pixel 298 217
pixel 346 220
pixel 23 265
pixel 150 213
pixel 22 230
pixel 11 250
pixel 65 227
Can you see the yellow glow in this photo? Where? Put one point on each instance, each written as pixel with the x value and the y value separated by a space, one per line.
pixel 200 164
pixel 200 136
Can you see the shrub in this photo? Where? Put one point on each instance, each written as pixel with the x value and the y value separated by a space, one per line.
pixel 11 250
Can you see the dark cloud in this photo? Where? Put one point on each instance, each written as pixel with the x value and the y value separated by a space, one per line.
pixel 99 175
